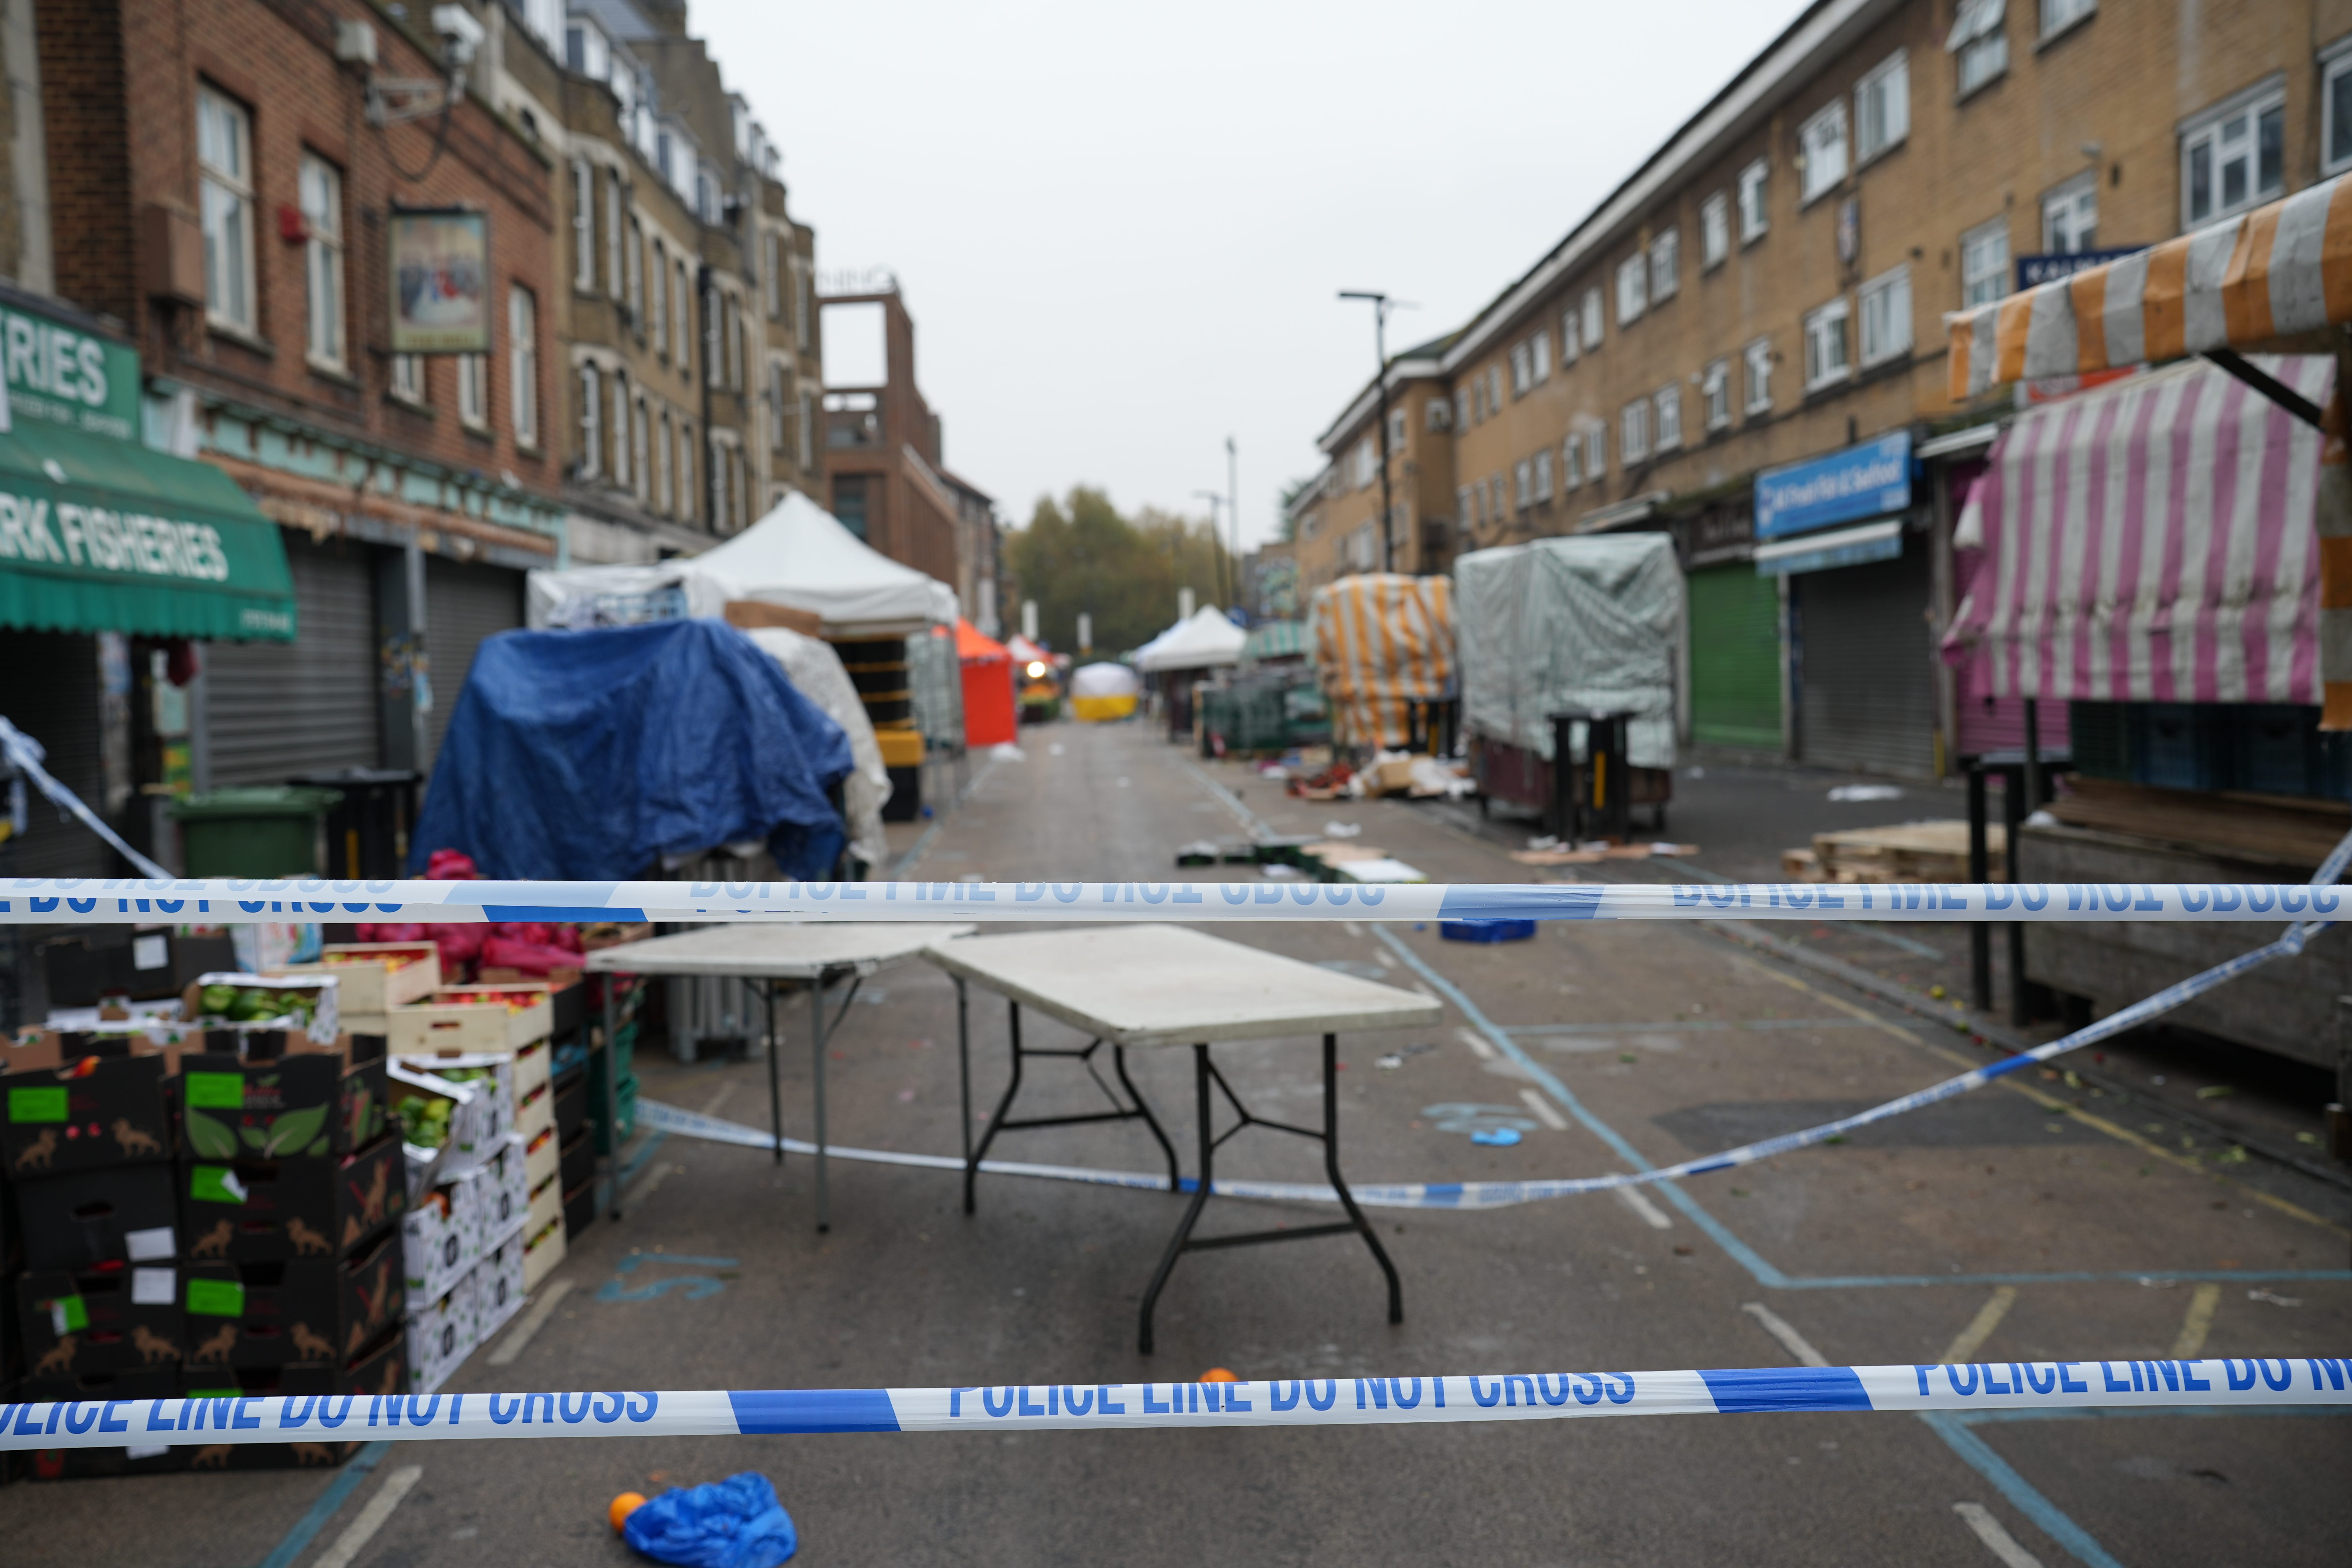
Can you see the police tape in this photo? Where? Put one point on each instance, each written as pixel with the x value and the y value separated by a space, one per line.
pixel 122 902
pixel 2229 1384
pixel 1505 1194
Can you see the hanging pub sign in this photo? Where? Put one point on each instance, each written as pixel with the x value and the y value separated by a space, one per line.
pixel 440 281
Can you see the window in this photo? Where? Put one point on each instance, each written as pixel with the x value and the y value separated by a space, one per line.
pixel 682 330
pixel 1887 317
pixel 1543 477
pixel 2070 217
pixel 657 303
pixel 1464 505
pixel 1665 265
pixel 719 524
pixel 612 202
pixel 1523 485
pixel 771 284
pixel 1396 430
pixel 474 390
pixel 714 351
pixel 1984 263
pixel 1825 355
pixel 621 429
pixel 1882 108
pixel 322 190
pixel 1569 334
pixel 1633 289
pixel 1520 380
pixel 1713 230
pixel 2233 160
pixel 584 223
pixel 1757 357
pixel 802 308
pixel 1438 414
pixel 806 432
pixel 1980 42
pixel 775 406
pixel 1714 392
pixel 734 330
pixel 2057 16
pixel 1572 463
pixel 1368 463
pixel 1634 430
pixel 225 166
pixel 1822 144
pixel 1493 388
pixel 665 493
pixel 1592 316
pixel 636 274
pixel 522 364
pixel 2335 108
pixel 1462 408
pixel 408 377
pixel 1668 400
pixel 640 432
pixel 1596 451
pixel 1539 348
pixel 690 499
pixel 1753 218
pixel 591 426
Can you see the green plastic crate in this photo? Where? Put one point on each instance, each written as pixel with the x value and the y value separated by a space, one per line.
pixel 626 1112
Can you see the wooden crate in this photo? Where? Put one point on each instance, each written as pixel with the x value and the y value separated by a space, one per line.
pixel 453 1019
pixel 544 1250
pixel 1905 852
pixel 377 976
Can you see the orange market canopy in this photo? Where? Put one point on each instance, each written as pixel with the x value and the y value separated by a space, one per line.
pixel 1382 641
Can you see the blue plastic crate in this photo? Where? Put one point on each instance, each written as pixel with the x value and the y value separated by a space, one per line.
pixel 1486 930
pixel 2183 746
pixel 2278 749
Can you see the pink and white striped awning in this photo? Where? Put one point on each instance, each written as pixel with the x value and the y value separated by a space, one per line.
pixel 2151 541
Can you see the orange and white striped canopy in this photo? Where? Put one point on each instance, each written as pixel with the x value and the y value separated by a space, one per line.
pixel 1382 641
pixel 2266 274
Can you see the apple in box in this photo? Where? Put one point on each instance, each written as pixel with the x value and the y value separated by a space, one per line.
pixel 309 1102
pixel 84 1113
pixel 240 1210
pixel 113 1318
pixel 317 1310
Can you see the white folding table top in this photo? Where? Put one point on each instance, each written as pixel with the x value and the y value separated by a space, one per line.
pixel 1175 985
pixel 763 950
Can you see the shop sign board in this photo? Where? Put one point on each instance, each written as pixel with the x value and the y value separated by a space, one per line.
pixel 1865 481
pixel 441 282
pixel 63 375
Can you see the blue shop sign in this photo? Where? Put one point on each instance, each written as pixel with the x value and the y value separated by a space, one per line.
pixel 1865 481
pixel 2035 270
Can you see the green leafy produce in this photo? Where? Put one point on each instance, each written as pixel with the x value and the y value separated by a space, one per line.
pixel 216 1000
pixel 424 1122
pixel 252 1006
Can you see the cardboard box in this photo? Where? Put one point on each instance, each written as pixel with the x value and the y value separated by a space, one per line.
pixel 159 1382
pixel 540 1254
pixel 255 1210
pixel 498 1288
pixel 475 1126
pixel 599 934
pixel 439 1240
pixel 571 1103
pixel 129 1215
pixel 505 1196
pixel 379 1368
pixel 105 1320
pixel 88 1114
pixel 377 976
pixel 316 1311
pixel 323 990
pixel 144 965
pixel 309 1102
pixel 751 614
pixel 577 1160
pixel 471 1018
pixel 442 1335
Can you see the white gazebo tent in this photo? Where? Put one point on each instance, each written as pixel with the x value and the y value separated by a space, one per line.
pixel 799 556
pixel 1205 640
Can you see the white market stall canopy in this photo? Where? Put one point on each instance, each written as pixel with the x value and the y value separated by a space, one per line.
pixel 799 556
pixel 1208 638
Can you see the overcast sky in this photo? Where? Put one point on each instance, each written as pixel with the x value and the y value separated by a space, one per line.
pixel 1119 228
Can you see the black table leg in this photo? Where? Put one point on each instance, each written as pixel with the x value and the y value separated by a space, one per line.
pixel 973 1157
pixel 1135 1108
pixel 1143 1106
pixel 1176 1244
pixel 963 1075
pixel 1339 1183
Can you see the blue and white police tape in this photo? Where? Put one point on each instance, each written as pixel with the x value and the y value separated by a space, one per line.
pixel 94 902
pixel 1503 1195
pixel 2269 1383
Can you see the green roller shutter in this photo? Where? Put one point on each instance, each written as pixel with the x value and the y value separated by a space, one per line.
pixel 1734 638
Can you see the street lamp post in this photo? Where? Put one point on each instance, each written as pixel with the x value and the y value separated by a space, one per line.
pixel 1233 517
pixel 1216 500
pixel 1381 383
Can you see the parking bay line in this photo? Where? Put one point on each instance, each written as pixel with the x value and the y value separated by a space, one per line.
pixel 2198 1323
pixel 1995 1535
pixel 1969 1341
pixel 360 1531
pixel 330 1502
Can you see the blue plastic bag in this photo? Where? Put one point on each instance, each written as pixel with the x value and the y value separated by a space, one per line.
pixel 733 1523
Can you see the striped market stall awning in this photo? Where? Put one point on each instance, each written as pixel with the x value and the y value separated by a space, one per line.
pixel 2263 275
pixel 1381 642
pixel 2152 540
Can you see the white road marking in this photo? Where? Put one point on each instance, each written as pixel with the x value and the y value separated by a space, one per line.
pixel 1548 1116
pixel 1651 1215
pixel 647 1184
pixel 1477 1044
pixel 718 1099
pixel 1388 958
pixel 1971 1340
pixel 1780 1328
pixel 1352 928
pixel 354 1539
pixel 533 1319
pixel 2198 1323
pixel 1997 1540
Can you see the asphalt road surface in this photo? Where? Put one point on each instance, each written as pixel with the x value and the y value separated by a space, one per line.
pixel 2036 1222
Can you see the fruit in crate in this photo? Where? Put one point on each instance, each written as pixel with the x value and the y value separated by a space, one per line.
pixel 424 1122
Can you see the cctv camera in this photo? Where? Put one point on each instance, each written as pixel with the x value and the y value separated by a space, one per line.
pixel 460 34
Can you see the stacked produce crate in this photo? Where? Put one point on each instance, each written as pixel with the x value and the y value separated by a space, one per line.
pixel 878 669
pixel 210 1211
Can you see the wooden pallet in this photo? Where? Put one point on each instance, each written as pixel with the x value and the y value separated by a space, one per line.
pixel 1907 852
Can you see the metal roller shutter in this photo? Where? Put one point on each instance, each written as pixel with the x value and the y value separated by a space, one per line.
pixel 1734 620
pixel 52 694
pixel 275 710
pixel 464 607
pixel 1866 687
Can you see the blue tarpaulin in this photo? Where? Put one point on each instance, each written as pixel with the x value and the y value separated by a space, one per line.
pixel 587 755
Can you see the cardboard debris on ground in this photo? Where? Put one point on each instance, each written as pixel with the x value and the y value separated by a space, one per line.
pixel 1331 852
pixel 1905 852
pixel 1565 857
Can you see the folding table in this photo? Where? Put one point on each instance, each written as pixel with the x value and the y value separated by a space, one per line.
pixel 1144 985
pixel 761 956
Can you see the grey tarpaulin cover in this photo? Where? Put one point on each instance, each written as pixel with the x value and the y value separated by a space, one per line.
pixel 1592 623
pixel 817 674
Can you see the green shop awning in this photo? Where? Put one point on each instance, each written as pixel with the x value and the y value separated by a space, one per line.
pixel 101 535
